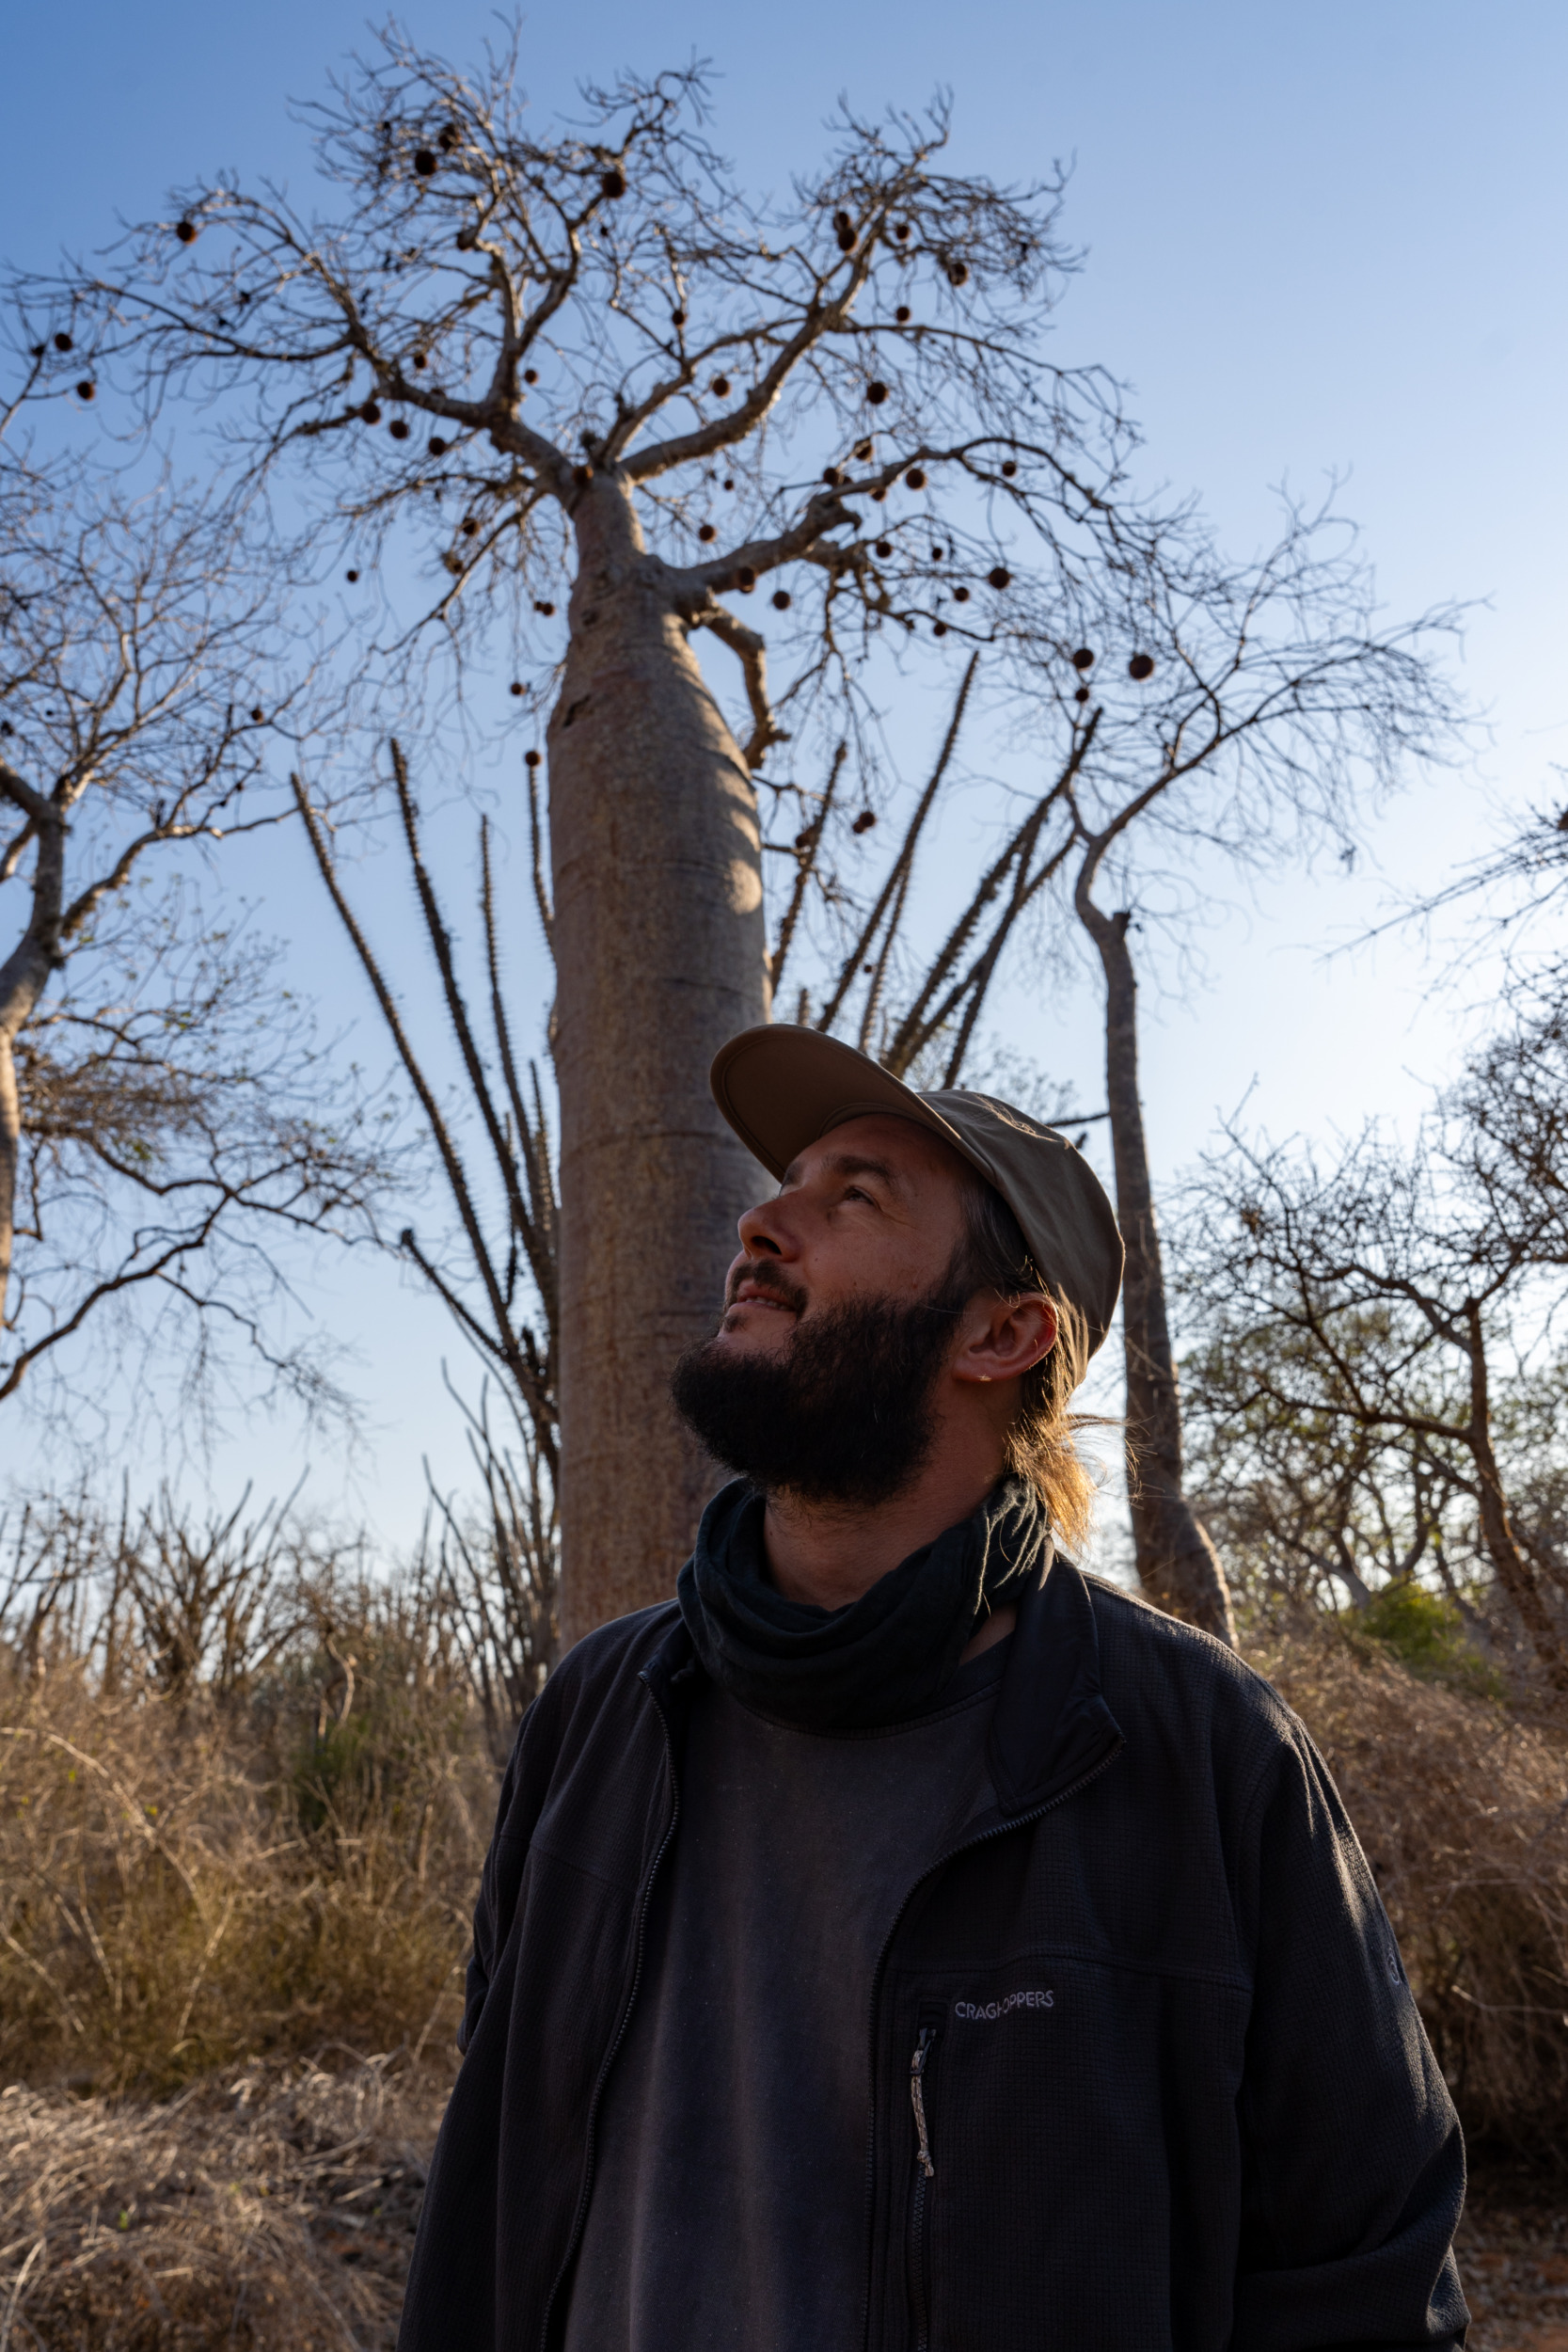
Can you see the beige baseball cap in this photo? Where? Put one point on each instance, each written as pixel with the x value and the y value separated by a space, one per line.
pixel 781 1087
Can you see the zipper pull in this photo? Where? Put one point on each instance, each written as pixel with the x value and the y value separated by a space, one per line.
pixel 917 2099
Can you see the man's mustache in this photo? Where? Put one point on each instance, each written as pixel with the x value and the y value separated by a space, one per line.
pixel 769 1282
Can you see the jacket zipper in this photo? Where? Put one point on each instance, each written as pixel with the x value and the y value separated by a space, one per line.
pixel 924 2173
pixel 610 2056
pixel 1002 1829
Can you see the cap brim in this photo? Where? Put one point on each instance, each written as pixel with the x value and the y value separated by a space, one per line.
pixel 780 1087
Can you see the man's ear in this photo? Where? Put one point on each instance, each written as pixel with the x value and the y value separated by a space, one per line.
pixel 1004 1337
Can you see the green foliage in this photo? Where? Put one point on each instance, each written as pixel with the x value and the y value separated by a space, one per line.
pixel 1426 1632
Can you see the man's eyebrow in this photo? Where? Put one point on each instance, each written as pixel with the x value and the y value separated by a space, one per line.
pixel 847 1164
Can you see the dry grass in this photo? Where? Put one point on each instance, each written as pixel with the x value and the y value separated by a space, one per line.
pixel 219 1883
pixel 273 2209
pixel 188 1877
pixel 1462 1809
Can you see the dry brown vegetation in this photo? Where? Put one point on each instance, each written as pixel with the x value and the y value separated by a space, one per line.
pixel 245 1790
pixel 1463 1808
pixel 272 2206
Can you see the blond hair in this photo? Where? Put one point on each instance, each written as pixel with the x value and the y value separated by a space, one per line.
pixel 1042 1439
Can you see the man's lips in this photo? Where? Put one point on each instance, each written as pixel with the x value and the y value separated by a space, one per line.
pixel 753 1294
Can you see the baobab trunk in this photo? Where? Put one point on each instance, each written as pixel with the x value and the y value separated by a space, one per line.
pixel 655 857
pixel 1177 1564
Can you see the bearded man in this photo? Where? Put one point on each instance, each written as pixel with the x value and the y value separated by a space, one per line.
pixel 901 1941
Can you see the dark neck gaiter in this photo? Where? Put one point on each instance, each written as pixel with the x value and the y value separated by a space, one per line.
pixel 883 1660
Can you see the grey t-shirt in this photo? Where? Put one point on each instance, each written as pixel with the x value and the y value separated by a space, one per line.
pixel 728 2204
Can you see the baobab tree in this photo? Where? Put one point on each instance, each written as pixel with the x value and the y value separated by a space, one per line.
pixel 600 395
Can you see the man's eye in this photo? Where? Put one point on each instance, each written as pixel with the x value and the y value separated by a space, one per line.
pixel 854 1193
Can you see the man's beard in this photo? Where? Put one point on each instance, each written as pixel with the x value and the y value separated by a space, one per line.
pixel 846 1414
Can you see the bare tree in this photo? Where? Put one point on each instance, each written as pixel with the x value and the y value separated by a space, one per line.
pixel 599 391
pixel 502 1566
pixel 181 1130
pixel 141 669
pixel 1239 712
pixel 1373 1302
pixel 490 1140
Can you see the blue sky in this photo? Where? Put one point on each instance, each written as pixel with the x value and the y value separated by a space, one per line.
pixel 1318 240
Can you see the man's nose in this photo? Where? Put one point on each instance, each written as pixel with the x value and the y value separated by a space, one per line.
pixel 764 1234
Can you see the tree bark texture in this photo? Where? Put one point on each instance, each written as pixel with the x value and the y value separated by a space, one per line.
pixel 660 956
pixel 1177 1564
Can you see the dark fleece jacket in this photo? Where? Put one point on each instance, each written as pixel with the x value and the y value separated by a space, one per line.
pixel 1175 2078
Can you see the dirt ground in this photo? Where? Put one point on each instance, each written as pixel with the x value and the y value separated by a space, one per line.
pixel 1513 2253
pixel 275 2212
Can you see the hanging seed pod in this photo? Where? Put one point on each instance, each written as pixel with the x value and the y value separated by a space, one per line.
pixel 1141 667
pixel 258 718
pixel 448 139
pixel 351 578
pixel 875 392
pixel 729 482
pixel 720 388
pixel 1081 695
pixel 614 184
pixel 939 629
pixel 877 496
pixel 86 390
pixel 530 375
pixel 803 840
pixel 864 821
pixel 1083 658
pixel 957 272
pixel 186 232
pixel 438 447
pixel 832 476
pixel 517 687
pixel 678 319
pixel 543 604
pixel 847 241
pixel 470 527
pixel 424 161
pixel 62 342
pixel 1009 468
pixel 422 358
pixel 781 600
pixel 745 578
pixel 371 412
pixel 937 554
pixel 863 450
pixel 1000 577
pixel 902 232
pixel 960 595
pixel 399 429
pixel 915 478
pixel 707 533
pixel 903 314
pixel 530 759
pixel 35 350
pixel 884 549
pixel 841 222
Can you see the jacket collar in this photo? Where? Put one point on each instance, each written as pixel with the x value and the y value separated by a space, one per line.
pixel 1050 1725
